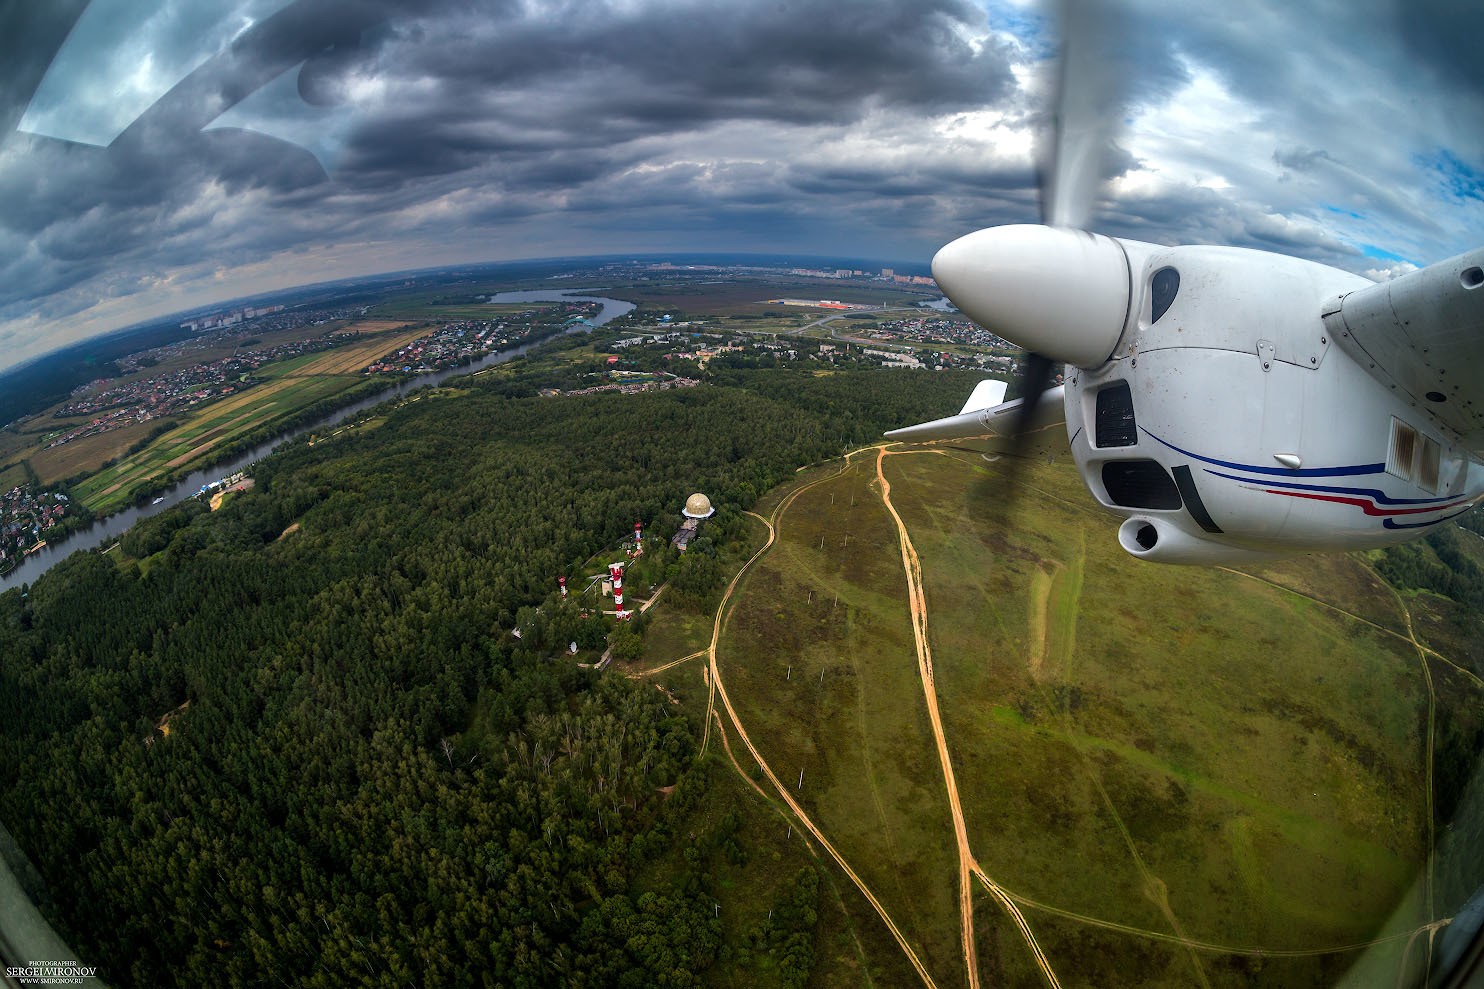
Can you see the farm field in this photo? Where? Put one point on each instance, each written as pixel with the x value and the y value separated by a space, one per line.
pixel 88 453
pixel 210 428
pixel 486 310
pixel 383 337
pixel 417 307
pixel 285 388
pixel 1194 774
pixel 13 476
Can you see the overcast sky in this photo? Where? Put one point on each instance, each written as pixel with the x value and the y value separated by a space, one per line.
pixel 157 156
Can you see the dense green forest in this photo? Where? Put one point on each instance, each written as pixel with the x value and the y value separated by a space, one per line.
pixel 1437 563
pixel 363 775
pixel 1443 576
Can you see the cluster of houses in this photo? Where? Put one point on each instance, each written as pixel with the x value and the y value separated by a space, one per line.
pixel 448 345
pixel 629 383
pixel 929 330
pixel 25 516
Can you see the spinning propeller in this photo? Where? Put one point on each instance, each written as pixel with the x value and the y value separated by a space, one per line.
pixel 1059 292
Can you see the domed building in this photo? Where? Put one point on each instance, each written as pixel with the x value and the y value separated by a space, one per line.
pixel 698 506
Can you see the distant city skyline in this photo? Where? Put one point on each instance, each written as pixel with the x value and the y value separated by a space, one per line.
pixel 155 160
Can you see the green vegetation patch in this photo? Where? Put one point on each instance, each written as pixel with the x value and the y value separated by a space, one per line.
pixel 673 634
pixel 1341 581
pixel 13 476
pixel 818 659
pixel 1202 748
pixel 1083 955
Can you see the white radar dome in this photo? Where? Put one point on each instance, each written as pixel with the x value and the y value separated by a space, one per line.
pixel 697 506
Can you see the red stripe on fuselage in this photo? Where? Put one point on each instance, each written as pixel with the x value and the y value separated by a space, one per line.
pixel 1366 506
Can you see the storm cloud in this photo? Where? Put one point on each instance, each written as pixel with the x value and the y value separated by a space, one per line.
pixel 286 141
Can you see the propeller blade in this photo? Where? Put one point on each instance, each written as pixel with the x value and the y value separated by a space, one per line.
pixel 1090 89
pixel 1034 382
pixel 1030 418
pixel 1061 293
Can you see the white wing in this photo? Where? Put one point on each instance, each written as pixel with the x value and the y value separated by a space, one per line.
pixel 994 422
pixel 1423 334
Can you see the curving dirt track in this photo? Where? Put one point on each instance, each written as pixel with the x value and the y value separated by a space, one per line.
pixel 718 688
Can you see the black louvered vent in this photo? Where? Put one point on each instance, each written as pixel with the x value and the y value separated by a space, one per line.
pixel 1114 421
pixel 1140 484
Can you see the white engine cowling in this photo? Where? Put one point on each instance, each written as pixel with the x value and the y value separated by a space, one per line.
pixel 1235 404
pixel 1231 440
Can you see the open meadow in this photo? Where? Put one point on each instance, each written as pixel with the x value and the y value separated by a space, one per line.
pixel 818 654
pixel 1193 774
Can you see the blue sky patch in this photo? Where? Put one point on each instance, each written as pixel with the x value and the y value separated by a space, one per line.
pixel 1459 179
pixel 1381 254
pixel 1034 30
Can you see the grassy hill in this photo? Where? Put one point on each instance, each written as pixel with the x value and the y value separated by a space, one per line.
pixel 1180 774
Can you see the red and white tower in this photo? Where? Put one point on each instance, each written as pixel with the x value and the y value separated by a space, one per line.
pixel 638 538
pixel 615 574
pixel 563 581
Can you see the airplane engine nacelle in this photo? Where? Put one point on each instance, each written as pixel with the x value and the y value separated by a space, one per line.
pixel 1233 404
pixel 1228 439
pixel 1160 541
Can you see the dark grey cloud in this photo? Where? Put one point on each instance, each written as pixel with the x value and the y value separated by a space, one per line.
pixel 1300 159
pixel 685 62
pixel 524 102
pixel 466 87
pixel 1442 35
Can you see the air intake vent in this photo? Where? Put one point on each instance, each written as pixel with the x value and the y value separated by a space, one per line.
pixel 1114 420
pixel 1140 484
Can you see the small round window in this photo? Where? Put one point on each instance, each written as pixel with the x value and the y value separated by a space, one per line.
pixel 1162 290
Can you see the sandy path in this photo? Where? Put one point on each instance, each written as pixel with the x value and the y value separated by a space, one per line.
pixel 718 689
pixel 917 598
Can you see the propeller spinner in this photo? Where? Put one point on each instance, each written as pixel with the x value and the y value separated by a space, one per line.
pixel 1057 292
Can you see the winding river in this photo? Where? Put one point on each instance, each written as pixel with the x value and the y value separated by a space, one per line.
pixel 109 528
